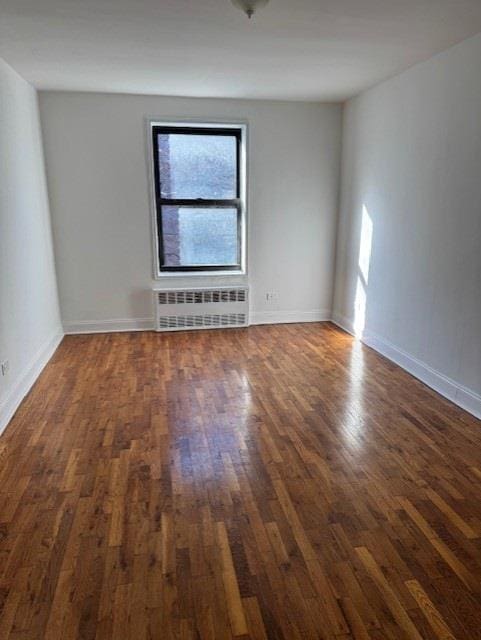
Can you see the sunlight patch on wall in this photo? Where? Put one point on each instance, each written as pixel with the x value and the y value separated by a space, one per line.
pixel 364 263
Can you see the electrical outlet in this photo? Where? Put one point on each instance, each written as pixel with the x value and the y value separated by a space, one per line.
pixel 4 367
pixel 272 296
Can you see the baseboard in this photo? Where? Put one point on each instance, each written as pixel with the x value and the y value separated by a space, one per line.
pixel 148 324
pixel 284 317
pixel 109 326
pixel 26 379
pixel 445 386
pixel 343 322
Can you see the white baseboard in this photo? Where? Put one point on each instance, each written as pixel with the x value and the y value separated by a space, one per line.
pixel 26 379
pixel 343 322
pixel 283 317
pixel 148 324
pixel 447 387
pixel 109 326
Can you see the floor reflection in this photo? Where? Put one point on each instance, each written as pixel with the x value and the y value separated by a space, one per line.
pixel 354 407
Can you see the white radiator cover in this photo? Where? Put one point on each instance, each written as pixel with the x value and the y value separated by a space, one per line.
pixel 201 308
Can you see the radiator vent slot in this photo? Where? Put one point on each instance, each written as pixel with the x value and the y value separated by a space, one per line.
pixel 212 307
pixel 206 296
pixel 215 320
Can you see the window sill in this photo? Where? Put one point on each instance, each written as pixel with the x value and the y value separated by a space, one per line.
pixel 198 274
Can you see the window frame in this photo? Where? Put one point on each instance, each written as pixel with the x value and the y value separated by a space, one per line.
pixel 237 130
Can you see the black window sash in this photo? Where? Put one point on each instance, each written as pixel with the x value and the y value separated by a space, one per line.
pixel 197 203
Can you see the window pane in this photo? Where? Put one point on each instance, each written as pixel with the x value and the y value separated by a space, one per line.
pixel 196 236
pixel 197 166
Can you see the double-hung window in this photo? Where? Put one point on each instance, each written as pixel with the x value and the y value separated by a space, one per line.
pixel 199 181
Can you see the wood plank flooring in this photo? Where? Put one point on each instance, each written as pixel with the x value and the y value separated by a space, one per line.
pixel 280 482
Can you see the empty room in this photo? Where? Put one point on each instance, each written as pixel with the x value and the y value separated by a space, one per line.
pixel 240 319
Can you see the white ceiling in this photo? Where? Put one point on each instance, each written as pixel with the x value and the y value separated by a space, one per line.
pixel 291 49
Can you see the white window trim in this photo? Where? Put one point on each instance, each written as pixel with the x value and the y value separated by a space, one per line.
pixel 243 180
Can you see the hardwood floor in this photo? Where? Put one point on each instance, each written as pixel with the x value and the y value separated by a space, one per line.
pixel 276 482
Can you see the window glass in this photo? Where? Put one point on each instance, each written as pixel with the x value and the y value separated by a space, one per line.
pixel 197 166
pixel 195 236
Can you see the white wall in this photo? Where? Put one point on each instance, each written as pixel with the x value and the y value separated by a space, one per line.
pixel 412 161
pixel 95 146
pixel 29 316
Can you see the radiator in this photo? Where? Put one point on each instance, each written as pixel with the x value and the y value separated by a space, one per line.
pixel 201 308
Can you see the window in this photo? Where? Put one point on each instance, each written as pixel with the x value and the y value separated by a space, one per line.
pixel 199 185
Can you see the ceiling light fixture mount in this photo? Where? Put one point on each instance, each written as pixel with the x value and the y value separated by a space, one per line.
pixel 249 7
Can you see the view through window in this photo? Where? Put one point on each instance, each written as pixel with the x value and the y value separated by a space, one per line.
pixel 198 197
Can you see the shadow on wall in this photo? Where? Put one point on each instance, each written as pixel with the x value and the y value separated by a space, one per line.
pixel 363 266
